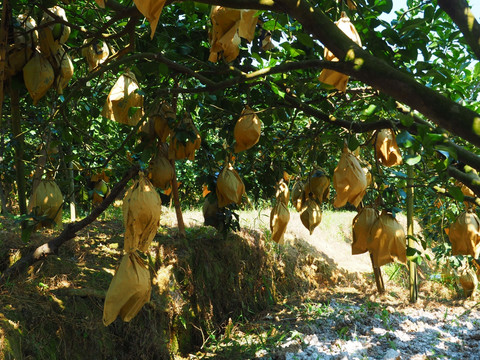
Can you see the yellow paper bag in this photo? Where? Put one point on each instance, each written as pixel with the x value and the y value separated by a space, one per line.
pixel 386 148
pixel 387 241
pixel 141 209
pixel 65 70
pixel 331 77
pixel 160 172
pixel 181 149
pixel 96 53
pixel 298 195
pixel 247 130
pixel 121 98
pixel 311 215
pixel 282 193
pixel 279 218
pixel 349 180
pixel 230 187
pixel 38 76
pixel 52 37
pixel 151 9
pixel 361 226
pixel 464 235
pixel 47 200
pixel 318 185
pixel 129 290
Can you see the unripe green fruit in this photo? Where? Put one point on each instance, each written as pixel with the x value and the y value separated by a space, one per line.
pixel 57 31
pixel 103 188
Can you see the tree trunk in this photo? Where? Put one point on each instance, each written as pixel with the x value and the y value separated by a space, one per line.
pixel 412 266
pixel 3 201
pixel 19 149
pixel 377 272
pixel 71 182
pixel 176 202
pixel 3 51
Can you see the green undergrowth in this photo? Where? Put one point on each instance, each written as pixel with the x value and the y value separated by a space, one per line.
pixel 199 285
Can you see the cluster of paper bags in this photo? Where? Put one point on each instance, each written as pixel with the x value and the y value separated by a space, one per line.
pixel 40 54
pixel 130 288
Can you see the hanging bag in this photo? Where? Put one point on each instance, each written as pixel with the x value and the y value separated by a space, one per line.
pixel 349 180
pixel 361 226
pixel 387 242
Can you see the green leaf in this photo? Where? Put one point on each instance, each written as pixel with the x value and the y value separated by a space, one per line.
pixel 278 91
pixel 412 159
pixel 370 110
pixel 133 110
pixel 405 140
pixel 353 143
pixel 163 69
pixel 456 193
pixel 406 120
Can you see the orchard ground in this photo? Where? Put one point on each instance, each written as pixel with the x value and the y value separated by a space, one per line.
pixel 242 297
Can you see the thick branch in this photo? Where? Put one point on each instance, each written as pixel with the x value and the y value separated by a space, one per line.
pixel 463 155
pixel 462 15
pixel 377 73
pixel 471 180
pixel 68 233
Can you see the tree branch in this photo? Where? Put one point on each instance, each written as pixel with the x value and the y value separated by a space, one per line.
pixel 461 14
pixel 471 180
pixel 68 233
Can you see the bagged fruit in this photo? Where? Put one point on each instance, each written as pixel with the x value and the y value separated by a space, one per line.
pixel 158 121
pixel 121 98
pixel 210 210
pixel 349 180
pixel 230 187
pixel 298 195
pixel 282 194
pixel 96 53
pixel 151 9
pixel 318 185
pixel 311 215
pixel 386 148
pixel 25 41
pixel 129 290
pixel 228 25
pixel 361 226
pixel 279 218
pixel 52 37
pixel 387 241
pixel 332 77
pixel 184 140
pixel 47 200
pixel 247 130
pixel 464 235
pixel 468 281
pixel 65 70
pixel 141 208
pixel 38 76
pixel 160 172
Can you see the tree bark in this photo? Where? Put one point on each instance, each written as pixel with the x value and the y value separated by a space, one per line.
pixel 19 149
pixel 412 266
pixel 71 182
pixel 68 233
pixel 176 202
